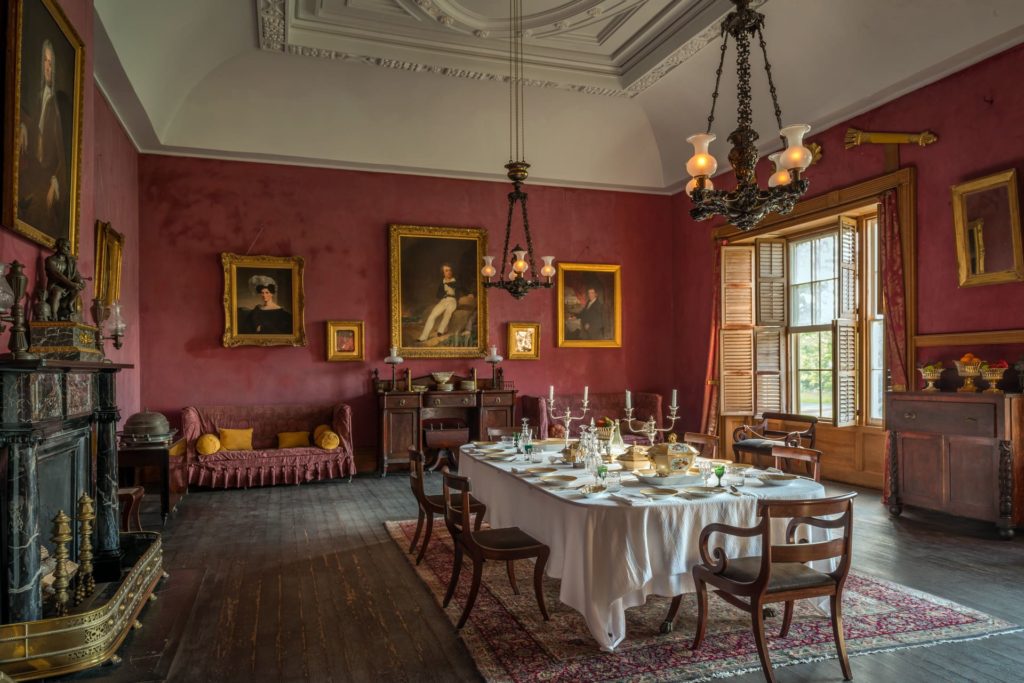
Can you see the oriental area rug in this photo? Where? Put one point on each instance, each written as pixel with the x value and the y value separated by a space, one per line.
pixel 509 640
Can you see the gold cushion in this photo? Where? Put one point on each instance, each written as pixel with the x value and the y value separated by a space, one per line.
pixel 236 439
pixel 292 439
pixel 328 440
pixel 178 449
pixel 320 430
pixel 207 444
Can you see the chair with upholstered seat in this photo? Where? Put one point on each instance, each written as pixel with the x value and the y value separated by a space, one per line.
pixel 705 443
pixel 759 440
pixel 779 573
pixel 431 505
pixel 504 545
pixel 808 455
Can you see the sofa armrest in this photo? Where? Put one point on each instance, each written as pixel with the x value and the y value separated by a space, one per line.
pixel 341 423
pixel 191 430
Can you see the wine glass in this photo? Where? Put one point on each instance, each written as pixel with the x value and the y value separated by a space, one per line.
pixel 705 471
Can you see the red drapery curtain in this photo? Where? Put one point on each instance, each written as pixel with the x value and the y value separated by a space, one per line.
pixel 709 415
pixel 894 295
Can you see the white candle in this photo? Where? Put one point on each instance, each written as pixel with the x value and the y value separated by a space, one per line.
pixel 551 394
pixel 494 351
pixel 394 351
pixel 629 400
pixel 586 394
pixel 675 395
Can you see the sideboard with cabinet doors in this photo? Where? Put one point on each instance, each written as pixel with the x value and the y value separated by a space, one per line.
pixel 402 412
pixel 959 453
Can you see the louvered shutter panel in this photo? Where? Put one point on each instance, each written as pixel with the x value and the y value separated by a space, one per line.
pixel 844 380
pixel 847 260
pixel 736 338
pixel 769 335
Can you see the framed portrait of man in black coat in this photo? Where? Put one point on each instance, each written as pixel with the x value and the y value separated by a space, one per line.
pixel 589 305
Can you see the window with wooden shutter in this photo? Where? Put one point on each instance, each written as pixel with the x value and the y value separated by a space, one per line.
pixel 736 337
pixel 844 330
pixel 769 335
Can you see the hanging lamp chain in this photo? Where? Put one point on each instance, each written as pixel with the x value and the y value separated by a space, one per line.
pixel 771 82
pixel 718 79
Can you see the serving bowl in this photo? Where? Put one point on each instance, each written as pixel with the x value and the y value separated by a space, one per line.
pixel 558 480
pixel 652 478
pixel 442 377
pixel 593 491
pixel 772 479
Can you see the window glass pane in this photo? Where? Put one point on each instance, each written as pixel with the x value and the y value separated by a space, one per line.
pixel 801 265
pixel 825 302
pixel 826 394
pixel 808 396
pixel 825 344
pixel 802 305
pixel 825 257
pixel 807 350
pixel 877 344
pixel 877 398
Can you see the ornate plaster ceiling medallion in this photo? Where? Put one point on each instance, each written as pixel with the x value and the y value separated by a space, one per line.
pixel 615 48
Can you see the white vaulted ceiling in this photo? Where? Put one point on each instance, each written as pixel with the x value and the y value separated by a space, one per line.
pixel 418 86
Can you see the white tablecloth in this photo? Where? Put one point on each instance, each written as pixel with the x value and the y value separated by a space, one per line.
pixel 609 555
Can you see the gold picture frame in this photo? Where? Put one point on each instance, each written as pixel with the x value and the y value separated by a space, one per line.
pixel 253 316
pixel 523 341
pixel 986 223
pixel 345 341
pixel 437 313
pixel 109 258
pixel 585 323
pixel 42 161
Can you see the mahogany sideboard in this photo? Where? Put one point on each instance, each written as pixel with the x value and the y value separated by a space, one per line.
pixel 402 414
pixel 958 453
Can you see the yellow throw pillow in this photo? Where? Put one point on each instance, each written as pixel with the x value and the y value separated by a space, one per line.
pixel 328 440
pixel 292 439
pixel 320 430
pixel 178 449
pixel 236 439
pixel 207 444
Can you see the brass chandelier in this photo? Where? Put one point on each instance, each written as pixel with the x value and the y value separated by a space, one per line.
pixel 520 260
pixel 747 204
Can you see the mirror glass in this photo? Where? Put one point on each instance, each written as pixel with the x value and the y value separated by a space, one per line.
pixel 987 223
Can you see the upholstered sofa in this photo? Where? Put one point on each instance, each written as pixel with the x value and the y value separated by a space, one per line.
pixel 613 405
pixel 266 464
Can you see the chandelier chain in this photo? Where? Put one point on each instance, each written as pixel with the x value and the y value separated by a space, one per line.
pixel 529 240
pixel 718 79
pixel 744 114
pixel 508 232
pixel 771 82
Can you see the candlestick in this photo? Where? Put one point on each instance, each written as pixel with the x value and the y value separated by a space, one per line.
pixel 567 418
pixel 586 393
pixel 650 428
pixel 675 395
pixel 629 400
pixel 551 394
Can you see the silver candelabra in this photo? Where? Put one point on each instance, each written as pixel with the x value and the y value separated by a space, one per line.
pixel 567 418
pixel 650 428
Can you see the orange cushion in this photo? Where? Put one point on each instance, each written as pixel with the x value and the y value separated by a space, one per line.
pixel 236 439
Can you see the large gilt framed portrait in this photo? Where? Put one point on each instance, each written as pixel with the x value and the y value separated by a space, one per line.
pixel 589 305
pixel 438 308
pixel 523 341
pixel 345 340
pixel 44 99
pixel 109 257
pixel 263 300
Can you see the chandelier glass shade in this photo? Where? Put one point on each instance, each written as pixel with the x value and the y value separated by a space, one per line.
pixel 747 204
pixel 522 275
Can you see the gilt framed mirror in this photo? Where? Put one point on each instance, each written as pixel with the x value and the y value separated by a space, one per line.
pixel 986 218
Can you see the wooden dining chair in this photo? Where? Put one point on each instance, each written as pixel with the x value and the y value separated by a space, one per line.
pixel 508 545
pixel 431 505
pixel 758 440
pixel 495 433
pixel 808 455
pixel 779 574
pixel 705 443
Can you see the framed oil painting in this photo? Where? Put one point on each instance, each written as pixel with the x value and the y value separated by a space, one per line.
pixel 109 255
pixel 345 340
pixel 44 96
pixel 589 305
pixel 438 308
pixel 523 341
pixel 263 300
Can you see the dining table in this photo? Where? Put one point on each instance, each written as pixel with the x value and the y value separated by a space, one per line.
pixel 611 553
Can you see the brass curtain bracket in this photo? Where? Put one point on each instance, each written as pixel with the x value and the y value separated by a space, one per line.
pixel 855 138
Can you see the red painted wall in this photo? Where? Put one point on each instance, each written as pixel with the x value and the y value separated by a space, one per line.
pixel 976 114
pixel 108 190
pixel 194 209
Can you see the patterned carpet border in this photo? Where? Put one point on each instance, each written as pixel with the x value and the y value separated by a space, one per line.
pixel 510 642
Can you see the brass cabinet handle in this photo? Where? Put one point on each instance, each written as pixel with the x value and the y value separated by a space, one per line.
pixel 972 419
pixel 497 400
pixel 401 402
pixel 465 401
pixel 909 416
pixel 437 401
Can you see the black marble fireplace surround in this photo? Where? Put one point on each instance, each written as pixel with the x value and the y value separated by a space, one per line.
pixel 52 414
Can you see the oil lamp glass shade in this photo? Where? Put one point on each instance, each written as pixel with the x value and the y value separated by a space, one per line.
pixel 117 324
pixel 519 263
pixel 780 176
pixel 488 270
pixel 796 155
pixel 6 293
pixel 547 270
pixel 692 185
pixel 701 163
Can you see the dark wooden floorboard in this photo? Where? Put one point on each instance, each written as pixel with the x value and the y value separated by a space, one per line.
pixel 304 584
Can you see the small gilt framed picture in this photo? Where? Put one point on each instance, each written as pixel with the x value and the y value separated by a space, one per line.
pixel 345 340
pixel 523 341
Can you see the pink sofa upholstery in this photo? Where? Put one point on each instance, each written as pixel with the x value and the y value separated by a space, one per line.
pixel 613 405
pixel 266 464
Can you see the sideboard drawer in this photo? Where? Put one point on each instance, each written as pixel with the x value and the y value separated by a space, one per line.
pixel 436 400
pixel 496 399
pixel 412 401
pixel 950 417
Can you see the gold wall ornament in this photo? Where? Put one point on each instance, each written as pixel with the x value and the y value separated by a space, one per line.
pixel 61 538
pixel 264 300
pixel 109 257
pixel 345 340
pixel 986 224
pixel 85 582
pixel 855 138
